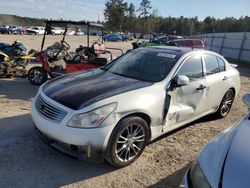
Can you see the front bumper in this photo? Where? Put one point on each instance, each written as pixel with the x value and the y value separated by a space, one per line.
pixel 77 142
pixel 80 152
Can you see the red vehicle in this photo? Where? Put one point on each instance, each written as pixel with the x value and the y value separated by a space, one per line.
pixel 190 43
pixel 57 59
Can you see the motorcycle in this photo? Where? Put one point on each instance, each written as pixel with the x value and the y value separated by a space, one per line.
pixel 15 49
pixel 13 60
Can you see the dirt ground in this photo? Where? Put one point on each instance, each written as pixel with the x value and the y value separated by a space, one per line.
pixel 26 161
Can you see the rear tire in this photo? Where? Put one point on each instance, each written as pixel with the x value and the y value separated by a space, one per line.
pixel 127 141
pixel 37 75
pixel 226 104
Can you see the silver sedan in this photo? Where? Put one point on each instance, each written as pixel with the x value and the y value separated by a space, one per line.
pixel 115 111
pixel 225 160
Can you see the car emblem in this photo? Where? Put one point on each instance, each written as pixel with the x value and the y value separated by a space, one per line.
pixel 42 107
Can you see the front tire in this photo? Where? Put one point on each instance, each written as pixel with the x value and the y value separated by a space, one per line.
pixel 127 141
pixel 226 104
pixel 37 75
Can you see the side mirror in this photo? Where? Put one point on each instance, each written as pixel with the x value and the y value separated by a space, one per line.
pixel 182 80
pixel 246 100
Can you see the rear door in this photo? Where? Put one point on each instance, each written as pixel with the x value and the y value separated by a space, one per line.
pixel 189 101
pixel 216 78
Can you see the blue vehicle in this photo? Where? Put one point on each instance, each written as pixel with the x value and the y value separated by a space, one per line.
pixel 17 30
pixel 112 38
pixel 124 37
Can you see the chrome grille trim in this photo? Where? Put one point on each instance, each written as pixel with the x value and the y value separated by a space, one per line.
pixel 49 111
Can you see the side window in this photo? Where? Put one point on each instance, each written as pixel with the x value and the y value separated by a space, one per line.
pixel 192 68
pixel 188 43
pixel 211 64
pixel 221 64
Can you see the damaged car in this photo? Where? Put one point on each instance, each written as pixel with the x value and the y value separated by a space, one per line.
pixel 114 111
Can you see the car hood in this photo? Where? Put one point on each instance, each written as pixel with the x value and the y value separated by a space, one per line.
pixel 213 155
pixel 237 164
pixel 79 90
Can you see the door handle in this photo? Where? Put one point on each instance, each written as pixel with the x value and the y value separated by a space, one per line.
pixel 225 78
pixel 201 87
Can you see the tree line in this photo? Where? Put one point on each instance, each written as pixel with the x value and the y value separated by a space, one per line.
pixel 121 16
pixel 20 21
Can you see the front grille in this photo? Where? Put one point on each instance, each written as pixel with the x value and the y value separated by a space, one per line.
pixel 49 111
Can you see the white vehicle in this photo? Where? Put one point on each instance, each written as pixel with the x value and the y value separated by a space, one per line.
pixel 36 30
pixel 57 31
pixel 71 32
pixel 116 110
pixel 79 33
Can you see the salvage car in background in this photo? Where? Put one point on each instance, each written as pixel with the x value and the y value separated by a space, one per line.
pixel 17 30
pixel 155 40
pixel 36 30
pixel 225 160
pixel 116 110
pixel 124 37
pixel 189 43
pixel 5 29
pixel 57 31
pixel 112 38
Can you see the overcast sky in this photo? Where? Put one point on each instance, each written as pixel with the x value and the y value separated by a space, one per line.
pixel 92 9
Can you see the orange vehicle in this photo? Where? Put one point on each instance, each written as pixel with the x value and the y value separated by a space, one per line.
pixel 57 59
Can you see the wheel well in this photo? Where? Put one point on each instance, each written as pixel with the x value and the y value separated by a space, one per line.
pixel 141 115
pixel 232 89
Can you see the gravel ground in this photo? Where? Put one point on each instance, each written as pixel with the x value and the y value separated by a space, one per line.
pixel 25 161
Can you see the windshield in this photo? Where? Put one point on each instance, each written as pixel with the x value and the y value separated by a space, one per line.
pixel 147 64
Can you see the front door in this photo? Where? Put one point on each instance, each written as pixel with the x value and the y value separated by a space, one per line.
pixel 189 101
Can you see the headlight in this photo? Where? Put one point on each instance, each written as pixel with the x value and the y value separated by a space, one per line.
pixel 93 118
pixel 196 177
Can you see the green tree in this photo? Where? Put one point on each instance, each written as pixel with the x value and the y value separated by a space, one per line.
pixel 144 12
pixel 130 19
pixel 144 9
pixel 114 14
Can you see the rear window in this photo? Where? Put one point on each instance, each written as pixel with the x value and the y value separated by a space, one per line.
pixel 178 43
pixel 188 43
pixel 198 42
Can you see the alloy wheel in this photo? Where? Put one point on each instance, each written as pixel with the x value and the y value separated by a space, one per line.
pixel 130 142
pixel 227 102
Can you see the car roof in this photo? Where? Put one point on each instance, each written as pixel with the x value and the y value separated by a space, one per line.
pixel 187 40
